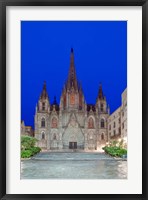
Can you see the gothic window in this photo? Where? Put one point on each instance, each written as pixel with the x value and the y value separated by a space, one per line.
pixel 119 120
pixel 114 132
pixel 102 107
pixel 114 124
pixel 54 137
pixel 72 99
pixel 43 136
pixel 91 123
pixel 109 127
pixel 54 123
pixel 102 123
pixel 119 131
pixel 43 106
pixel 102 136
pixel 43 122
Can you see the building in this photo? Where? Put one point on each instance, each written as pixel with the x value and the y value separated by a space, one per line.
pixel 26 130
pixel 74 124
pixel 117 121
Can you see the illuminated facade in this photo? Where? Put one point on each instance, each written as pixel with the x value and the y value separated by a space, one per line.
pixel 73 124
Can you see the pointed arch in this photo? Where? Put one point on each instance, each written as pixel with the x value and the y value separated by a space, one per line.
pixel 102 123
pixel 43 122
pixel 54 122
pixel 72 99
pixel 54 136
pixel 102 136
pixel 91 123
pixel 43 135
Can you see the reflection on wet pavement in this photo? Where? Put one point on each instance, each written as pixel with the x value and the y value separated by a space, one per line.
pixel 73 166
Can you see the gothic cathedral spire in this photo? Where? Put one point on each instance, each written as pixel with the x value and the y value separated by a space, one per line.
pixel 101 101
pixel 72 79
pixel 44 94
pixel 100 93
pixel 43 103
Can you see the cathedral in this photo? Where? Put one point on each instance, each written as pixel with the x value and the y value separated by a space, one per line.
pixel 71 124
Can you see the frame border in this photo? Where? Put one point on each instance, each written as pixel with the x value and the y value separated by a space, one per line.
pixel 3 6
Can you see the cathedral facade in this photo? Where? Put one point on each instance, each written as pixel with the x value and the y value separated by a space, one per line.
pixel 73 124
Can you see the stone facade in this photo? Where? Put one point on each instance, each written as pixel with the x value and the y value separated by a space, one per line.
pixel 117 121
pixel 73 124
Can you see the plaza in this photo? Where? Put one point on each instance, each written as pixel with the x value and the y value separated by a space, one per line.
pixel 73 165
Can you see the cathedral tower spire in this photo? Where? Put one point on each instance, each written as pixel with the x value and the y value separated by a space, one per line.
pixel 72 97
pixel 43 103
pixel 44 94
pixel 100 94
pixel 72 79
pixel 101 101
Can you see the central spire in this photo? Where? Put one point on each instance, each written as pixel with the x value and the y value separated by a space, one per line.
pixel 72 79
pixel 100 94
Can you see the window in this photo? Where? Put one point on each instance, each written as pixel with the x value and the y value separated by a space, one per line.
pixel 114 124
pixel 43 122
pixel 109 127
pixel 54 137
pixel 119 120
pixel 119 131
pixel 72 99
pixel 114 132
pixel 102 136
pixel 102 123
pixel 43 106
pixel 91 123
pixel 43 136
pixel 54 123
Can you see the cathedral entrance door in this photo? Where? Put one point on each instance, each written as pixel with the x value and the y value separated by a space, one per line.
pixel 72 145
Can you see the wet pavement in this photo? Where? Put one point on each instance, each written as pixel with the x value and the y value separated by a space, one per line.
pixel 47 165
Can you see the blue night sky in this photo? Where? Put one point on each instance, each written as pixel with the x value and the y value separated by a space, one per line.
pixel 100 50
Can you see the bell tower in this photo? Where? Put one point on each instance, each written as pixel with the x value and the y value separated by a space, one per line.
pixel 101 104
pixel 43 103
pixel 42 118
pixel 102 113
